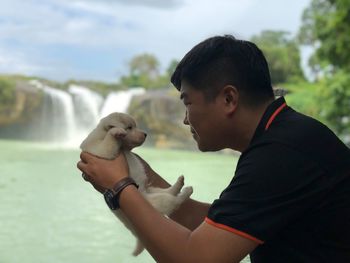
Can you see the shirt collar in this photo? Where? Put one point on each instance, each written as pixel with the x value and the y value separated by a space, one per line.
pixel 269 115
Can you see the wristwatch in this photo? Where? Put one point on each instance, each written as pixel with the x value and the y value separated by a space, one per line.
pixel 111 196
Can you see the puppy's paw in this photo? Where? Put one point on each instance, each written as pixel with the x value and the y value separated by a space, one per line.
pixel 186 192
pixel 176 188
pixel 117 132
pixel 180 181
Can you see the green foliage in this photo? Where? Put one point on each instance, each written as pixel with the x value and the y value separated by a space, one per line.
pixel 335 97
pixel 324 100
pixel 304 97
pixel 171 68
pixel 7 91
pixel 326 26
pixel 144 64
pixel 282 54
pixel 144 71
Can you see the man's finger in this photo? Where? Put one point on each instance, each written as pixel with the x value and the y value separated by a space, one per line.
pixel 81 166
pixel 85 176
pixel 85 156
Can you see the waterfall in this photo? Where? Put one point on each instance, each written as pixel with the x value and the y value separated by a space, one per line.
pixel 119 101
pixel 57 116
pixel 87 105
pixel 68 116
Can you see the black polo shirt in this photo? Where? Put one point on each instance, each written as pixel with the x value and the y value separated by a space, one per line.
pixel 290 192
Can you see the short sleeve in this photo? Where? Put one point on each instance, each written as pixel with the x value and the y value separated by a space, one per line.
pixel 273 186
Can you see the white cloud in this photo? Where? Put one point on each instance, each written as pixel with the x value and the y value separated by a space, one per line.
pixel 147 3
pixel 167 29
pixel 13 63
pixel 107 23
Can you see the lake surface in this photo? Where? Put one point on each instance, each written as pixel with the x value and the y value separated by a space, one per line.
pixel 48 214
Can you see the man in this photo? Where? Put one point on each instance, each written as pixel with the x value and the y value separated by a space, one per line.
pixel 289 200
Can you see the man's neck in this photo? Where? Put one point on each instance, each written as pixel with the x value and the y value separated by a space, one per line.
pixel 248 122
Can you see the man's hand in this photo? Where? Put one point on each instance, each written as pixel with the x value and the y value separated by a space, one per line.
pixel 101 173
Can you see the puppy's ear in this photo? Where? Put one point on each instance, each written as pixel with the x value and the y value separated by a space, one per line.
pixel 118 132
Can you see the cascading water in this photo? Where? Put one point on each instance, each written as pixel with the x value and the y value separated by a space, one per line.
pixel 119 101
pixel 68 116
pixel 57 115
pixel 87 106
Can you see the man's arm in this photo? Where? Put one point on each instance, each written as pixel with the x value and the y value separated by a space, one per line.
pixel 166 240
pixel 169 242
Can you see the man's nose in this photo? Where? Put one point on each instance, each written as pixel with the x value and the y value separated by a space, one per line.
pixel 186 119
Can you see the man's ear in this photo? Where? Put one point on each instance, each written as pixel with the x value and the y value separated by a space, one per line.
pixel 230 96
pixel 118 132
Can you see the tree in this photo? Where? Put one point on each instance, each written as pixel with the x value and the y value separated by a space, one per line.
pixel 172 66
pixel 282 54
pixel 143 71
pixel 326 26
pixel 144 64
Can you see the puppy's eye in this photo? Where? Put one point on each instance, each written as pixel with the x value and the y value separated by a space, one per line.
pixel 128 128
pixel 110 127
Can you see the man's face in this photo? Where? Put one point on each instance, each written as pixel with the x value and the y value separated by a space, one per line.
pixel 203 117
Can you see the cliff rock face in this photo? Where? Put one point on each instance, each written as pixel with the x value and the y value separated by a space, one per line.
pixel 19 112
pixel 25 103
pixel 161 114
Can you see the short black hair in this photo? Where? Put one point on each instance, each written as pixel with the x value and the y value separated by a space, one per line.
pixel 225 60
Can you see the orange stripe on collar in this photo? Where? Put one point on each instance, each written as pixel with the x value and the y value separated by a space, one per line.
pixel 273 116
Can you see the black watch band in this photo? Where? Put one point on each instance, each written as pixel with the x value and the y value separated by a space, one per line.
pixel 112 195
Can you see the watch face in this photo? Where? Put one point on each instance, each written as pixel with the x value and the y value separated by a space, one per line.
pixel 109 198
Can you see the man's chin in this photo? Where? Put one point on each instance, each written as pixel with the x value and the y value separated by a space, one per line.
pixel 207 148
pixel 204 148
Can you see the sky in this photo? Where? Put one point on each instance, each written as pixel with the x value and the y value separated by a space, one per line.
pixel 95 39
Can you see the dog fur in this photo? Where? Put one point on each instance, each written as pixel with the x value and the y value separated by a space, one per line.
pixel 118 133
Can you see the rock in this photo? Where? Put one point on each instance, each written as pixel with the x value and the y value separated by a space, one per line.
pixel 160 113
pixel 18 112
pixel 22 109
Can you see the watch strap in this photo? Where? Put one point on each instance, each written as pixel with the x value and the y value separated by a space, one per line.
pixel 118 188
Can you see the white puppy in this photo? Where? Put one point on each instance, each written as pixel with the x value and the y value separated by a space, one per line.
pixel 117 133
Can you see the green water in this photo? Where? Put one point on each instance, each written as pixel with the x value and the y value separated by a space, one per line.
pixel 48 214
